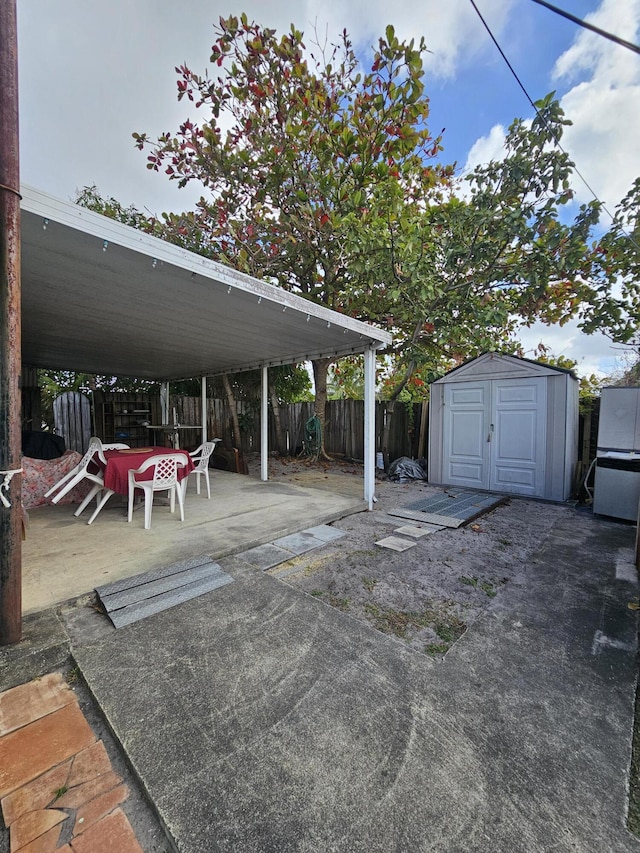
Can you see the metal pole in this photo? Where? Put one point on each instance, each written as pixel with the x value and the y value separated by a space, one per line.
pixel 264 425
pixel 203 410
pixel 369 425
pixel 164 403
pixel 10 339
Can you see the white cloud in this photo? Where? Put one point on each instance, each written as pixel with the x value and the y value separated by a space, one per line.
pixel 450 29
pixel 591 52
pixel 486 148
pixel 593 353
pixel 604 103
pixel 91 73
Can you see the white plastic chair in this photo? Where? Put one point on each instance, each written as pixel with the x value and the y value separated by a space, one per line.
pixel 165 479
pixel 98 490
pixel 200 458
pixel 77 474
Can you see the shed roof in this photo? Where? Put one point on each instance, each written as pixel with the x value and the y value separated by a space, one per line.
pixel 500 366
pixel 102 297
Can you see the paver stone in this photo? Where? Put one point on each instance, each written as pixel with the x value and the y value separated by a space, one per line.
pixel 33 749
pixel 28 702
pixel 35 795
pixel 45 843
pixel 86 765
pixel 81 794
pixel 93 811
pixel 32 825
pixel 112 834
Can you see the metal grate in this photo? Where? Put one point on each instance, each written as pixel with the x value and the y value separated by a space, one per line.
pixel 132 599
pixel 454 504
pixel 451 509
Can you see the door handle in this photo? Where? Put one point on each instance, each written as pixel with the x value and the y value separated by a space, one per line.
pixel 490 433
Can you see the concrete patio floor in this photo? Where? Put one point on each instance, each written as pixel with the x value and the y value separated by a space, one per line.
pixel 63 557
pixel 256 718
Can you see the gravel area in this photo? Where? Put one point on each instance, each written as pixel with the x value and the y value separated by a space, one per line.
pixel 428 595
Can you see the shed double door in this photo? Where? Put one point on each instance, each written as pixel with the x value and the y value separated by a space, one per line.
pixel 495 435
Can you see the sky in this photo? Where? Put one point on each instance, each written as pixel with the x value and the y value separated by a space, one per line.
pixel 92 73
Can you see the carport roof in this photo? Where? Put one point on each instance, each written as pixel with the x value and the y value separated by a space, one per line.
pixel 102 297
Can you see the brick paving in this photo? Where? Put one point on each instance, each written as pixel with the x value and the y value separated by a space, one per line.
pixel 58 791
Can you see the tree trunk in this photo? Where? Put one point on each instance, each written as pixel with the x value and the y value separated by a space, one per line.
pixel 281 445
pixel 388 411
pixel 233 411
pixel 320 370
pixel 386 431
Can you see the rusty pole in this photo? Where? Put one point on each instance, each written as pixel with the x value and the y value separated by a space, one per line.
pixel 10 434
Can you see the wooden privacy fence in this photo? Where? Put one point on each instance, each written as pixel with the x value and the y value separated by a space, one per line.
pixel 72 416
pixel 344 428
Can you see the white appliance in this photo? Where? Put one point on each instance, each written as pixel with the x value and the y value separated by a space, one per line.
pixel 617 478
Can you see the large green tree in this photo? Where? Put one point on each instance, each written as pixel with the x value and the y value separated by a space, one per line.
pixel 458 278
pixel 290 148
pixel 321 174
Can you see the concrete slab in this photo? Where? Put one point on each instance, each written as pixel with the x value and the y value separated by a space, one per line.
pixel 417 532
pixel 44 647
pixel 64 558
pixel 307 540
pixel 395 543
pixel 260 719
pixel 264 557
pixel 148 584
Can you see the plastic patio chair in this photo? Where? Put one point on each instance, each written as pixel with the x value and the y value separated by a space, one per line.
pixel 200 458
pixel 165 479
pixel 77 474
pixel 98 490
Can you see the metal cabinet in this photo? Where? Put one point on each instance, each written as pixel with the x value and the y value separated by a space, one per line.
pixel 617 477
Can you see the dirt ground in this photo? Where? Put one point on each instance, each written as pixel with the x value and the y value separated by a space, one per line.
pixel 429 594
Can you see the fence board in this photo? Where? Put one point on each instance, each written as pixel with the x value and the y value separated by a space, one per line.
pixel 344 429
pixel 72 416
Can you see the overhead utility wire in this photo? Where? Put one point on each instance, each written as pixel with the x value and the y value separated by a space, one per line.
pixel 502 54
pixel 542 119
pixel 588 26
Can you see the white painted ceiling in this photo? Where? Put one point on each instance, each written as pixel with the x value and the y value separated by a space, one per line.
pixel 101 297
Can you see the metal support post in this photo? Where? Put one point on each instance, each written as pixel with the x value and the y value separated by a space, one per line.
pixel 264 425
pixel 369 425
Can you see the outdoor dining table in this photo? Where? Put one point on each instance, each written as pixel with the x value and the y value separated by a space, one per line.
pixel 120 462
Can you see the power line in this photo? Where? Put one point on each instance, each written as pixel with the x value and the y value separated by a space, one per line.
pixel 502 54
pixel 542 118
pixel 589 26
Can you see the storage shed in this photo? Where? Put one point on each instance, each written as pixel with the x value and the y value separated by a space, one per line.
pixel 505 424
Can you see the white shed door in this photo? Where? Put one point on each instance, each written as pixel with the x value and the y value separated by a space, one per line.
pixel 467 408
pixel 518 437
pixel 495 435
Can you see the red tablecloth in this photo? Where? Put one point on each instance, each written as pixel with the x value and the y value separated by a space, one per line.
pixel 120 462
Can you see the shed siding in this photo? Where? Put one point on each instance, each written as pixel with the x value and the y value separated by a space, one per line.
pixel 561 400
